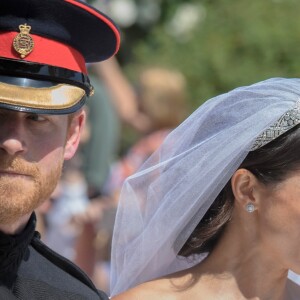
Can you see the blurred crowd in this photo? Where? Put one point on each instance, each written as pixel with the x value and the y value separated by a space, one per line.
pixel 77 221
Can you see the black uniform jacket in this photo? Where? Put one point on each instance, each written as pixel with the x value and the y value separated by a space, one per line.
pixel 30 270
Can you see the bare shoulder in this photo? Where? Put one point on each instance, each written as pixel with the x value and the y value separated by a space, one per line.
pixel 176 286
pixel 134 294
pixel 157 289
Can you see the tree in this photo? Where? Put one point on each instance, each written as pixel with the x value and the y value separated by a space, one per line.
pixel 232 43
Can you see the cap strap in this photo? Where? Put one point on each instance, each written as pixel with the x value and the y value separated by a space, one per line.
pixel 22 68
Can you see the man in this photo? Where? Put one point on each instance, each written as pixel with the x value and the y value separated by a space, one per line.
pixel 44 46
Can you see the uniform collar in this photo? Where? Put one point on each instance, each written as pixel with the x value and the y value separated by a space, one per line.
pixel 13 249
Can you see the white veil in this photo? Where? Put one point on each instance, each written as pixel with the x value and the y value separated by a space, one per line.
pixel 163 202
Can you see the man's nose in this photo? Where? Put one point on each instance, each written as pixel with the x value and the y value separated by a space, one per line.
pixel 12 140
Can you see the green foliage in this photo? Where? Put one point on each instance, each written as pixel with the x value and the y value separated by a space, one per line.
pixel 236 43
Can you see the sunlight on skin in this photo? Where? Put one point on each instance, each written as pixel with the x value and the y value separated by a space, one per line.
pixel 32 150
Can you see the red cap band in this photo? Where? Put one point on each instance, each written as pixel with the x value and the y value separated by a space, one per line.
pixel 45 51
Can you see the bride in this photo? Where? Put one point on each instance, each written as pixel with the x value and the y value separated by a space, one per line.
pixel 215 212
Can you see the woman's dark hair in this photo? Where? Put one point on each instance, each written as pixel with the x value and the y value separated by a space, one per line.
pixel 270 164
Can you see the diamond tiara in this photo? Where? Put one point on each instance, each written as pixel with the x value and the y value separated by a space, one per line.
pixel 286 122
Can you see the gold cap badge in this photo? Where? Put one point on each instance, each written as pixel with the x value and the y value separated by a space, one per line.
pixel 23 42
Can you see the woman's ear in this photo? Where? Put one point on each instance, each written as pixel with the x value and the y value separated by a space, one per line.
pixel 76 124
pixel 246 190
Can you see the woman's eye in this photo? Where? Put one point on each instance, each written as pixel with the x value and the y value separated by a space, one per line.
pixel 36 117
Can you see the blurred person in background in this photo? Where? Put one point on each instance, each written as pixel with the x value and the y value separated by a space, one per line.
pixel 102 142
pixel 162 104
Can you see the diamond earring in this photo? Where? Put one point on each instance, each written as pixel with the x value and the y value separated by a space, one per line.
pixel 250 208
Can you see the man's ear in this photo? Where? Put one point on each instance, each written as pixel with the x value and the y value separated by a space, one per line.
pixel 246 189
pixel 74 131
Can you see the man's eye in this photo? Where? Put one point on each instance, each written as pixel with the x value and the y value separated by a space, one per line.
pixel 36 117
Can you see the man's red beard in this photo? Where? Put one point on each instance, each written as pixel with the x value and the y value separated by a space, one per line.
pixel 23 187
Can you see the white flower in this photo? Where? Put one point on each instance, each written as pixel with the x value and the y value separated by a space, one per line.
pixel 123 12
pixel 186 18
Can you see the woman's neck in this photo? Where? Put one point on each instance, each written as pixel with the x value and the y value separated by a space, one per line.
pixel 239 264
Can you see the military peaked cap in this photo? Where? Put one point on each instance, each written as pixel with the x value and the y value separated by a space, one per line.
pixel 44 48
